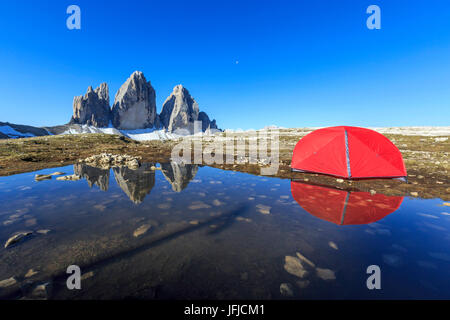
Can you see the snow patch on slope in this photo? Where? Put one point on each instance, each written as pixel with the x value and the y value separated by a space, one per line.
pixel 138 134
pixel 12 133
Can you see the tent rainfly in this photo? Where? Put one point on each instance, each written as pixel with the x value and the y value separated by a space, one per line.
pixel 348 152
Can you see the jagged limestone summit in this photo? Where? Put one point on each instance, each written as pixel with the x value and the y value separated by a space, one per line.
pixel 135 108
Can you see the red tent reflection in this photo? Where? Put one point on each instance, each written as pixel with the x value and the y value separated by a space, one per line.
pixel 343 207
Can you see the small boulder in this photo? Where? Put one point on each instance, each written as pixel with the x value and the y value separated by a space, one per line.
pixel 17 237
pixel 41 177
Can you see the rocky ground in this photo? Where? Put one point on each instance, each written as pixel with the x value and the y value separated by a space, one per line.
pixel 426 157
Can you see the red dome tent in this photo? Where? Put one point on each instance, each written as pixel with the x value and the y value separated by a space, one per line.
pixel 343 207
pixel 348 152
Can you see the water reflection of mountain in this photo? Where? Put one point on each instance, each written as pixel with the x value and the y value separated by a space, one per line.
pixel 136 184
pixel 93 175
pixel 179 175
pixel 344 207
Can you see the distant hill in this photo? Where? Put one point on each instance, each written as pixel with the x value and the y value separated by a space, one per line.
pixel 14 131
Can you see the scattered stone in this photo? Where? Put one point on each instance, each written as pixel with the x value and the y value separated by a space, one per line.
pixel 295 267
pixel 333 245
pixel 325 274
pixel 284 197
pixel 58 173
pixel 217 203
pixel 30 273
pixel 41 177
pixel 447 204
pixel 340 180
pixel 141 230
pixel 87 275
pixel 414 194
pixel 41 291
pixel 243 219
pixel 439 182
pixel 373 192
pixel 251 198
pixel 197 205
pixel 17 237
pixel 286 290
pixel 306 260
pixel 263 209
pixel 194 222
pixel 43 231
pixel 108 160
pixel 164 206
pixel 8 282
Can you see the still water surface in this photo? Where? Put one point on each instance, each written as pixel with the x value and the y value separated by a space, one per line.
pixel 188 232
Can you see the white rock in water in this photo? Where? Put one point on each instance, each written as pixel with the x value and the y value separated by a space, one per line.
pixel 58 173
pixel 197 205
pixel 263 209
pixel 17 237
pixel 217 203
pixel 333 245
pixel 87 275
pixel 72 177
pixel 8 282
pixel 306 260
pixel 40 177
pixel 286 290
pixel 141 230
pixel 295 267
pixel 30 273
pixel 325 274
pixel 41 291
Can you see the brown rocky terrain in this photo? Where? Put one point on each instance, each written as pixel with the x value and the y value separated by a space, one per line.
pixel 426 159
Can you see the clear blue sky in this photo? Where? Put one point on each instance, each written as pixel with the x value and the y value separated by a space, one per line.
pixel 301 63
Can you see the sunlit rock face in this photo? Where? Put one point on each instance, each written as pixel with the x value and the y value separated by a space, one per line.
pixel 93 175
pixel 135 104
pixel 137 183
pixel 179 175
pixel 92 108
pixel 179 111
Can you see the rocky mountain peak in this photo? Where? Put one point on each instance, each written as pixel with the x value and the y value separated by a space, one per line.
pixel 135 108
pixel 135 104
pixel 92 108
pixel 179 110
